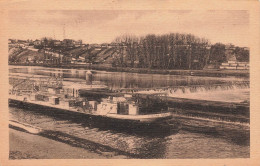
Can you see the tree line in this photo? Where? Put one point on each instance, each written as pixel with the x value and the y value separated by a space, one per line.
pixel 170 51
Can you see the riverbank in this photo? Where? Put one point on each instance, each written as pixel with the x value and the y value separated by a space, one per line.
pixel 101 67
pixel 24 145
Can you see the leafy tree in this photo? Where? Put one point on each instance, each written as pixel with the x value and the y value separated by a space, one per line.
pixel 217 53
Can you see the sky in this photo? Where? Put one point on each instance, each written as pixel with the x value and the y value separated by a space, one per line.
pixel 103 26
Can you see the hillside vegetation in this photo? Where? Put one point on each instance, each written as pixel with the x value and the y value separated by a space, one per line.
pixel 22 55
pixel 104 55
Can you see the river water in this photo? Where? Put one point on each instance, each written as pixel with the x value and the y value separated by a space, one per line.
pixel 182 144
pixel 122 80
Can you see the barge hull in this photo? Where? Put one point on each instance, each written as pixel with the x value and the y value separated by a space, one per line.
pixel 99 121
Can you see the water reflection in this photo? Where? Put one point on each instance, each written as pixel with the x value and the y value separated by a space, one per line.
pixel 122 80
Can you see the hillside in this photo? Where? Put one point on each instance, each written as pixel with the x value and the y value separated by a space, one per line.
pixel 104 55
pixel 21 55
pixel 110 55
pixel 92 54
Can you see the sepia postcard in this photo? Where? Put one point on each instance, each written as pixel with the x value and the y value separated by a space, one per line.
pixel 129 82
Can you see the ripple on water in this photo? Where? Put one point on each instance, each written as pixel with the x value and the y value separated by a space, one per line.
pixel 180 145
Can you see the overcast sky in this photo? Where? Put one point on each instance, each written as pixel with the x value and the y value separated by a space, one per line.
pixel 93 26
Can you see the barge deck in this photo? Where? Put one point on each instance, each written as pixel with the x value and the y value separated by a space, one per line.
pixel 152 123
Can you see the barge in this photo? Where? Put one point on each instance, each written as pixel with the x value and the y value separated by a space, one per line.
pixel 55 96
pixel 156 123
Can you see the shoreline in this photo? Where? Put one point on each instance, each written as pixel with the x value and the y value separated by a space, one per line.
pixel 209 73
pixel 22 146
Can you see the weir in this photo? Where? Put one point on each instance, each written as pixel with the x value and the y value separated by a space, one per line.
pixel 190 89
pixel 224 102
pixel 208 88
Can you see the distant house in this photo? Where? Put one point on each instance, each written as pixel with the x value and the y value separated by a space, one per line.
pixel 66 59
pixel 246 48
pixel 104 45
pixel 229 54
pixel 30 60
pixel 12 41
pixel 77 43
pixel 95 45
pixel 98 48
pixel 54 54
pixel 81 59
pixel 231 57
pixel 123 44
pixel 73 60
pixel 234 65
pixel 37 43
pixel 29 41
pixel 135 63
pixel 57 43
pixel 68 43
pixel 21 41
pixel 111 45
pixel 229 47
pixel 21 45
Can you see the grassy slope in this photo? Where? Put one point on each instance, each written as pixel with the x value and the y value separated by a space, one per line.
pixel 21 55
pixel 76 52
pixel 105 54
